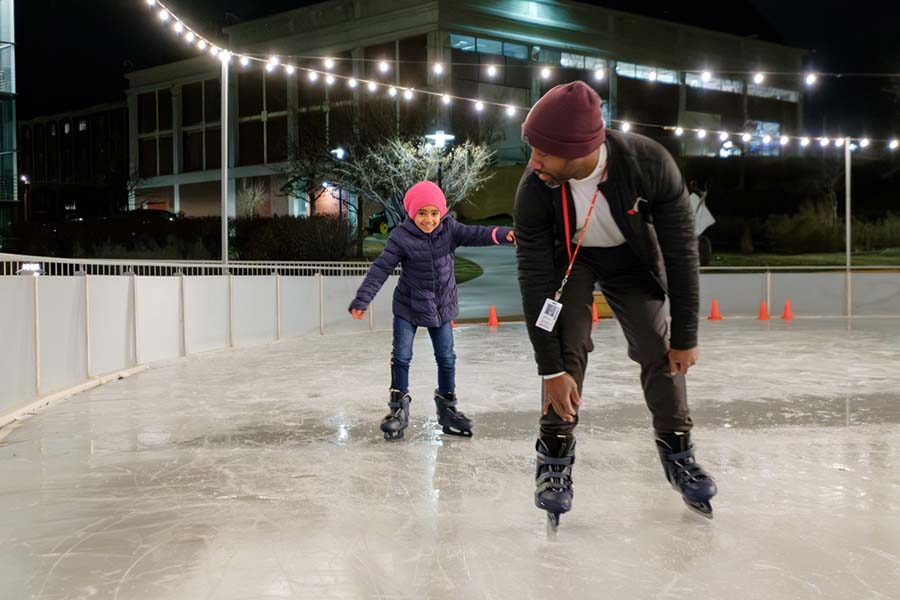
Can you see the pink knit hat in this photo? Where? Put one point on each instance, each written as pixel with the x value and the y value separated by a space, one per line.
pixel 424 193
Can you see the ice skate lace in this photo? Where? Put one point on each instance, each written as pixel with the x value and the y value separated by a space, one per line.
pixel 687 469
pixel 557 476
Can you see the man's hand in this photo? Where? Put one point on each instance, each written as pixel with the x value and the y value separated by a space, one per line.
pixel 562 393
pixel 511 236
pixel 682 360
pixel 357 313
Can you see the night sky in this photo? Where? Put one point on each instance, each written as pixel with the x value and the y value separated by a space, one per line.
pixel 71 55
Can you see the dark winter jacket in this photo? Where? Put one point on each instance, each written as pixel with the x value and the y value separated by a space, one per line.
pixel 426 294
pixel 650 204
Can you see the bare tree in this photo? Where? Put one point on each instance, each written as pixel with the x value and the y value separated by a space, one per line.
pixel 382 173
pixel 249 196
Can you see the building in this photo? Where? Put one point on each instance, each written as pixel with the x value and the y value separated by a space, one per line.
pixel 9 180
pixel 76 163
pixel 648 71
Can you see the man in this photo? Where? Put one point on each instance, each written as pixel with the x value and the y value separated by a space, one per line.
pixel 608 207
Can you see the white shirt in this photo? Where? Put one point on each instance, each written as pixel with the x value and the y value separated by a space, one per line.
pixel 602 230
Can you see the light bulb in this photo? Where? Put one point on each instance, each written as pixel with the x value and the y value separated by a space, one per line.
pixel 163 15
pixel 245 61
pixel 383 67
pixel 804 142
pixel 811 79
pixel 492 70
pixel 706 76
pixel 479 106
pixel 767 139
pixel 438 68
pixel 545 73
pixel 701 134
pixel 723 136
pixel 598 74
pixel 313 76
pixel 329 63
pixel 290 69
pixel 679 131
pixel 511 110
pixel 407 95
pixel 626 126
pixel 445 99
pixel 372 86
pixel 351 83
pixel 329 80
pixel 759 78
pixel 785 140
pixel 863 142
pixel 178 27
pixel 746 137
pixel 392 91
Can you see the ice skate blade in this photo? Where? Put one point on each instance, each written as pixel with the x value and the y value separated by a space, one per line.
pixel 553 521
pixel 457 433
pixel 704 509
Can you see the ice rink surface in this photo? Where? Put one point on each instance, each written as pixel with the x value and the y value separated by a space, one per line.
pixel 261 473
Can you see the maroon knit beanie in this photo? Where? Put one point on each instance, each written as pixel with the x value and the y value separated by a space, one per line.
pixel 566 122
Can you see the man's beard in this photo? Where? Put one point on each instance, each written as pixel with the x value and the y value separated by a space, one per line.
pixel 553 182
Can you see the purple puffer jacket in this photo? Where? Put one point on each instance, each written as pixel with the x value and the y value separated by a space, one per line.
pixel 426 294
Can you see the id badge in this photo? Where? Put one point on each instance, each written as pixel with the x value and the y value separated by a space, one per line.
pixel 549 315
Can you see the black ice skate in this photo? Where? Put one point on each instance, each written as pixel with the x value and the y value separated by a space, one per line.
pixel 688 478
pixel 453 421
pixel 398 419
pixel 553 477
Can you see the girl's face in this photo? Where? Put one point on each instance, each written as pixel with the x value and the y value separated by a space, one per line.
pixel 428 218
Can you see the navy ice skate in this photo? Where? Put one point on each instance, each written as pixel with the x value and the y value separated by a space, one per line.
pixel 687 477
pixel 396 421
pixel 553 478
pixel 452 421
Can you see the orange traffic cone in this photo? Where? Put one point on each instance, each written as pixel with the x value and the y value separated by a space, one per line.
pixel 453 324
pixel 714 314
pixel 594 316
pixel 763 311
pixel 492 317
pixel 788 313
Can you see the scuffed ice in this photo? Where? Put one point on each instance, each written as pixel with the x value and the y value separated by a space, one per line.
pixel 261 473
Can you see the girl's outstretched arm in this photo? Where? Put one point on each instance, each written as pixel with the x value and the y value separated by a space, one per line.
pixel 378 273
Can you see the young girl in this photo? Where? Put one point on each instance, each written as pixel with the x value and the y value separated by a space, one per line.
pixel 426 296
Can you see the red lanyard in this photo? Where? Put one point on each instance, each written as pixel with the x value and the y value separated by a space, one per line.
pixel 573 255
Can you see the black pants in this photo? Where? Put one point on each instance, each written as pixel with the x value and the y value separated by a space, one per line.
pixel 639 305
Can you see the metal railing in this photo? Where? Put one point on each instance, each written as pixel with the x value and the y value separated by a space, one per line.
pixel 14 264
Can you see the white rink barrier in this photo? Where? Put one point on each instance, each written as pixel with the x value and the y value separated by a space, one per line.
pixel 62 334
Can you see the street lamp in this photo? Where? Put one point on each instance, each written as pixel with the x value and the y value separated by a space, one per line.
pixel 439 140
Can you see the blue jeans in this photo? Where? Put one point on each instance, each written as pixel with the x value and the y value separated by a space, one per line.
pixel 441 339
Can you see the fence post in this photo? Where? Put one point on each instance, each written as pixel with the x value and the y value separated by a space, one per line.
pixel 277 306
pixel 37 339
pixel 183 317
pixel 134 322
pixel 87 325
pixel 321 303
pixel 230 326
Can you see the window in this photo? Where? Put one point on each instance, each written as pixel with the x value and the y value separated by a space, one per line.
pixel 760 129
pixel 155 136
pixel 82 125
pixel 200 114
pixel 646 73
pixel 468 43
pixel 733 86
pixel 263 116
pixel 764 91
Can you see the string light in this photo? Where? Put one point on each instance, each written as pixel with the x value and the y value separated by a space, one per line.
pixel 329 80
pixel 810 78
pixel 701 134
